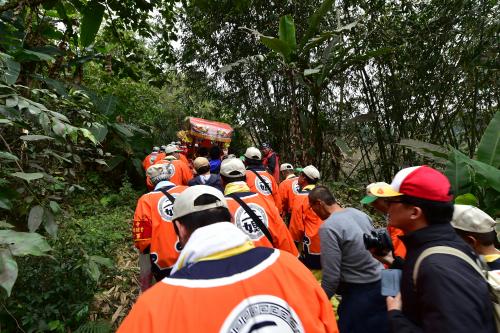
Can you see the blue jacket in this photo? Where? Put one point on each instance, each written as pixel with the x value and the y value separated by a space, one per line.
pixel 215 165
pixel 213 181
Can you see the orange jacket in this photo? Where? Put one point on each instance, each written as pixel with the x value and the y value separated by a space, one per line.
pixel 153 227
pixel 181 172
pixel 270 217
pixel 189 163
pixel 257 186
pixel 399 247
pixel 304 224
pixel 288 189
pixel 161 155
pixel 149 160
pixel 183 158
pixel 276 291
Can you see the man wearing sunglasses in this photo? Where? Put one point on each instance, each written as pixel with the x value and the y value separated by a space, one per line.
pixel 447 295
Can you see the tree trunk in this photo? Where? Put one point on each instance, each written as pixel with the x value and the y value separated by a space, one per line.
pixel 296 139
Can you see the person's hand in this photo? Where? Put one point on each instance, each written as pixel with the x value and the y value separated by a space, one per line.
pixel 394 303
pixel 386 259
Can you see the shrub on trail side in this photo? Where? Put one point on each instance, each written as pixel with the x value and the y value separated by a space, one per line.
pixel 89 275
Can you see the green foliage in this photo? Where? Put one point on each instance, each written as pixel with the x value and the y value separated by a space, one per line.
pixel 27 176
pixel 24 243
pixel 458 173
pixel 161 110
pixel 47 128
pixel 12 244
pixel 485 174
pixel 92 15
pixel 85 91
pixel 472 181
pixel 285 44
pixel 315 20
pixel 11 68
pixel 366 73
pixel 126 195
pixel 51 180
pixel 286 32
pixel 467 199
pixel 90 240
pixel 101 326
pixel 8 270
pixel 429 150
pixel 35 218
pixel 488 150
pixel 109 200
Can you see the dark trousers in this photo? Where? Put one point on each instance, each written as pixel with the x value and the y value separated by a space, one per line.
pixel 362 309
pixel 311 261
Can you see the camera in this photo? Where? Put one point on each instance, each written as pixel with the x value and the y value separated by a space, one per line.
pixel 379 241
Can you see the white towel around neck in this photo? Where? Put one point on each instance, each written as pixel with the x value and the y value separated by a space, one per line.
pixel 208 240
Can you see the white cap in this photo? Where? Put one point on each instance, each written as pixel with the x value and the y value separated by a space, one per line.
pixel 286 166
pixel 311 172
pixel 232 168
pixel 170 149
pixel 184 203
pixel 159 172
pixel 253 153
pixel 472 219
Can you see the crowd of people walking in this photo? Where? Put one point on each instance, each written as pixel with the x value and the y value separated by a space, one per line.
pixel 251 245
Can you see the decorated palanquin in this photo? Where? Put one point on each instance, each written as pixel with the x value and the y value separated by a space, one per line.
pixel 205 133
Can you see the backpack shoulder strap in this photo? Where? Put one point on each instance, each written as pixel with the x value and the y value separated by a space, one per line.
pixel 254 216
pixel 168 195
pixel 262 180
pixel 444 250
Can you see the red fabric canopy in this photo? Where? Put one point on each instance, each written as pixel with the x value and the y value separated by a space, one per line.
pixel 211 130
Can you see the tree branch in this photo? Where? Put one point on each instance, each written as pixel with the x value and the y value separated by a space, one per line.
pixel 17 323
pixel 10 151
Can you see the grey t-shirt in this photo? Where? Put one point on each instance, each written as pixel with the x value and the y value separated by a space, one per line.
pixel 343 253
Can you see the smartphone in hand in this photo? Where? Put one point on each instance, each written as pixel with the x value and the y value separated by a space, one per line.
pixel 391 282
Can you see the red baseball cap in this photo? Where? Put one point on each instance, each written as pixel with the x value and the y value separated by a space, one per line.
pixel 420 181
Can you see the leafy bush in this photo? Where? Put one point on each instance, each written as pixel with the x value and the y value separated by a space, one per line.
pixel 57 292
pixel 51 138
pixel 474 181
